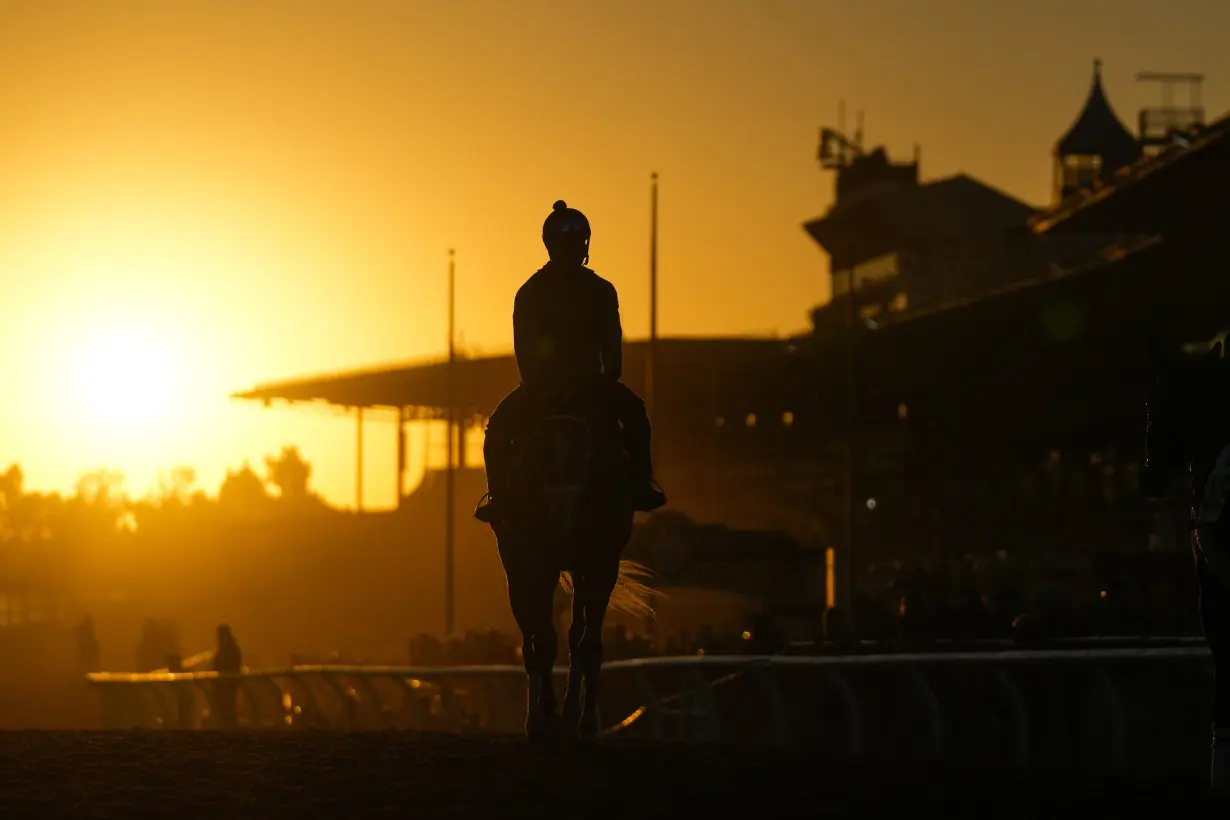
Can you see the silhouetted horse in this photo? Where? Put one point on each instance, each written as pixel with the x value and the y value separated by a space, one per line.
pixel 569 514
pixel 1188 430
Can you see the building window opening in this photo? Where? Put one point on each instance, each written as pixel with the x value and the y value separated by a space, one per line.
pixel 871 311
pixel 1081 171
pixel 876 269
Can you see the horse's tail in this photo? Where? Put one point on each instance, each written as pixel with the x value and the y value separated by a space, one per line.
pixel 632 595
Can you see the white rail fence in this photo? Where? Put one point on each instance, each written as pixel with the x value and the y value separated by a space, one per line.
pixel 1112 707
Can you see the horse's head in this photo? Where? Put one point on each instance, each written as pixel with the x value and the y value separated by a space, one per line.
pixel 561 469
pixel 1183 408
pixel 565 452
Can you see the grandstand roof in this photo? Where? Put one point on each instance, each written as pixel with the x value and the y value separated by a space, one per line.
pixel 482 382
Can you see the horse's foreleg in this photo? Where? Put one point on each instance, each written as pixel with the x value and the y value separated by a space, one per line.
pixel 531 598
pixel 571 712
pixel 540 714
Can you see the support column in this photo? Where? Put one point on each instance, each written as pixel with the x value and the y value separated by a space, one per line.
pixel 463 427
pixel 359 460
pixel 401 456
pixel 651 369
pixel 449 502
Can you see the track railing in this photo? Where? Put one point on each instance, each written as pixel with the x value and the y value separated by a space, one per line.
pixel 1110 706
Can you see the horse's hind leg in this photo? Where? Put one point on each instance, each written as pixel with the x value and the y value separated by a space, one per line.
pixel 595 592
pixel 570 715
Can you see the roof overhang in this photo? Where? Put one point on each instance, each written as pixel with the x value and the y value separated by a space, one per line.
pixel 479 383
pixel 855 229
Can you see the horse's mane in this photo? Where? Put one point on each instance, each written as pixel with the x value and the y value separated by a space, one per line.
pixel 632 594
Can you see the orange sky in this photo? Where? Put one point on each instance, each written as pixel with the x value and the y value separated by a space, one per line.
pixel 198 196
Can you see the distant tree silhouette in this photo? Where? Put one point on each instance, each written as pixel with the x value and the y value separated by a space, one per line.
pixel 176 487
pixel 101 488
pixel 11 484
pixel 11 502
pixel 242 490
pixel 99 504
pixel 290 474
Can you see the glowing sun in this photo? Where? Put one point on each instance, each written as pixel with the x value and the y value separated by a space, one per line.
pixel 125 378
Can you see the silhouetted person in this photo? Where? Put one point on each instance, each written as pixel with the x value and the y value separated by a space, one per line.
pixel 767 639
pixel 1026 632
pixel 148 651
pixel 873 622
pixel 567 337
pixel 915 619
pixel 1054 612
pixel 87 645
pixel 970 615
pixel 837 630
pixel 228 660
pixel 1007 604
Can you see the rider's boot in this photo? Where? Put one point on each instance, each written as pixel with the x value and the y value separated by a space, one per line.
pixel 647 496
pixel 486 511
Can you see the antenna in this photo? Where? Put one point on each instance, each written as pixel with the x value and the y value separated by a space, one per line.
pixel 836 149
pixel 1159 125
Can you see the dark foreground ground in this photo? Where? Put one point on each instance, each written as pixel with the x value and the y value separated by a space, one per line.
pixel 298 775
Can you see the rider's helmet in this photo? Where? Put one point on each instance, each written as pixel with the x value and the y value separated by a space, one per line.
pixel 565 227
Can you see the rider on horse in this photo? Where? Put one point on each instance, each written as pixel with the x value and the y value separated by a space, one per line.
pixel 567 336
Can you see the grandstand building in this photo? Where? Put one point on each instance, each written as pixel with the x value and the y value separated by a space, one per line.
pixel 990 354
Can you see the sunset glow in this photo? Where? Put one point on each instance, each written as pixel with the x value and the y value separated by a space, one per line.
pixel 197 197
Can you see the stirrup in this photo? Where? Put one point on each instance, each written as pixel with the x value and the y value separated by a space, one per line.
pixel 649 496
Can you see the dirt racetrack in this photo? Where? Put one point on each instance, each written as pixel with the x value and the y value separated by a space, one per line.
pixel 397 774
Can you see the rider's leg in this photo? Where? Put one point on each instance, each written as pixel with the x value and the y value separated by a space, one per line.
pixel 495 461
pixel 637 437
pixel 497 446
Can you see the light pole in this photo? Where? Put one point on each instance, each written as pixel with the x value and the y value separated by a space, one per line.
pixel 651 371
pixel 850 575
pixel 450 416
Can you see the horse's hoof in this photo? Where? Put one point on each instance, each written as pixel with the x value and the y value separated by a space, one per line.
pixel 543 728
pixel 539 736
pixel 588 729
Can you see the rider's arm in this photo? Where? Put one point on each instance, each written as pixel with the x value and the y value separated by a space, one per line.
pixel 612 338
pixel 523 342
